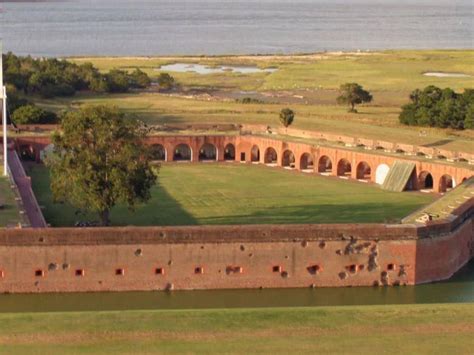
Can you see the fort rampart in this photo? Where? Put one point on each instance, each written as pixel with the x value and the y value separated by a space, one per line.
pixel 223 257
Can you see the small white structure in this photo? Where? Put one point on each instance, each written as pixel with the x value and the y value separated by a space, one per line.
pixel 381 173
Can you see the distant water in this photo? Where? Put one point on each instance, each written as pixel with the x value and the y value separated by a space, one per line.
pixel 160 27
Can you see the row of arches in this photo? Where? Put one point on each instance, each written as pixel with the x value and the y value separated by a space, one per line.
pixel 183 152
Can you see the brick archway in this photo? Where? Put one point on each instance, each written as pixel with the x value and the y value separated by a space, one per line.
pixel 425 180
pixel 229 152
pixel 344 168
pixel 271 156
pixel 446 183
pixel 183 152
pixel 208 152
pixel 255 154
pixel 158 152
pixel 306 162
pixel 325 165
pixel 381 173
pixel 364 171
pixel 288 159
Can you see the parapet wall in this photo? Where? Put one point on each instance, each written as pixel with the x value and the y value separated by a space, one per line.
pixel 225 257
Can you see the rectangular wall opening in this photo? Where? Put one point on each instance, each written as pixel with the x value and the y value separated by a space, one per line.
pixel 79 272
pixel 39 273
pixel 159 271
pixel 119 272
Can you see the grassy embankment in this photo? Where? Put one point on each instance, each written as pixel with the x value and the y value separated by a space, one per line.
pixel 390 76
pixel 9 214
pixel 189 194
pixel 409 329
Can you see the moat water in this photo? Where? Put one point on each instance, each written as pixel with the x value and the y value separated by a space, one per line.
pixel 459 289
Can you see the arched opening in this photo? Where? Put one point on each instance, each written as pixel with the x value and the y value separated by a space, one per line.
pixel 271 156
pixel 446 183
pixel 364 172
pixel 255 154
pixel 229 152
pixel 182 152
pixel 381 173
pixel 288 159
pixel 27 152
pixel 425 180
pixel 157 152
pixel 324 165
pixel 306 162
pixel 208 152
pixel 344 168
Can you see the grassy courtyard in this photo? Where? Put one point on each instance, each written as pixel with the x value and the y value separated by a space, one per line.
pixel 209 193
pixel 9 214
pixel 394 329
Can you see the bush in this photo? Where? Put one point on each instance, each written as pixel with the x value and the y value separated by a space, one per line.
pixel 435 107
pixel 166 81
pixel 30 114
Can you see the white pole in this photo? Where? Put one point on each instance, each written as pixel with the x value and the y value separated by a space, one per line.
pixel 4 115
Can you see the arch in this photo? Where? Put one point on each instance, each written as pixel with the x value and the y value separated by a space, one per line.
pixel 255 154
pixel 446 183
pixel 271 156
pixel 182 152
pixel 288 159
pixel 208 152
pixel 158 152
pixel 344 168
pixel 364 172
pixel 27 152
pixel 425 180
pixel 381 173
pixel 324 164
pixel 229 152
pixel 307 162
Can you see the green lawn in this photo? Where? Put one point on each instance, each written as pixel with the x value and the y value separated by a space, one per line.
pixel 394 329
pixel 9 214
pixel 226 193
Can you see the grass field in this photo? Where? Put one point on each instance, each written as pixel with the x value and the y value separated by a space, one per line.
pixel 209 193
pixel 407 329
pixel 9 214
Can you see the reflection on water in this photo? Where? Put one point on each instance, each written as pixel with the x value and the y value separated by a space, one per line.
pixel 459 289
pixel 204 69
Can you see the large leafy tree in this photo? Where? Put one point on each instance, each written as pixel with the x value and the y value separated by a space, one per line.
pixel 99 160
pixel 286 117
pixel 353 94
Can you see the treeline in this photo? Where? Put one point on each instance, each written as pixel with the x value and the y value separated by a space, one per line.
pixel 435 107
pixel 51 77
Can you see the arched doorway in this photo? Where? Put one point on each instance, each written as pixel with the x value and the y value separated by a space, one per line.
pixel 182 152
pixel 208 152
pixel 325 165
pixel 288 159
pixel 229 152
pixel 446 183
pixel 364 172
pixel 255 154
pixel 158 152
pixel 425 181
pixel 306 162
pixel 344 168
pixel 271 156
pixel 381 173
pixel 28 153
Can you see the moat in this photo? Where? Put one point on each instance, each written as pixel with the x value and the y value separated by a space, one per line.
pixel 459 289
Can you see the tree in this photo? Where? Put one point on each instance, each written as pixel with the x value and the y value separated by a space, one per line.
pixel 353 94
pixel 139 79
pixel 286 117
pixel 118 81
pixel 99 160
pixel 30 114
pixel 165 81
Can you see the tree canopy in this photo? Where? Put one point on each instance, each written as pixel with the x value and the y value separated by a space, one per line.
pixel 435 107
pixel 353 94
pixel 99 160
pixel 30 114
pixel 286 117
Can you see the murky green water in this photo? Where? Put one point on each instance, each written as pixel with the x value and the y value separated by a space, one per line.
pixel 459 289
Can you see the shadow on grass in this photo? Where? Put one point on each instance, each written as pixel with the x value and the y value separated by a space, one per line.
pixel 322 213
pixel 438 143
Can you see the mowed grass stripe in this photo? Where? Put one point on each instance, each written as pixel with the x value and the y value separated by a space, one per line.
pixel 190 194
pixel 355 329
